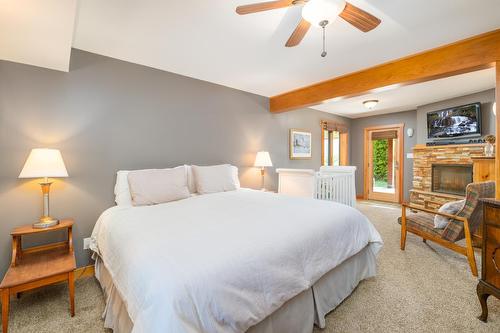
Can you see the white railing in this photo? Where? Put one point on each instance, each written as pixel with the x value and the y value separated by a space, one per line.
pixel 330 183
pixel 336 186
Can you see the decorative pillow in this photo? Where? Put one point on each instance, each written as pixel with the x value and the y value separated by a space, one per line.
pixel 122 189
pixel 452 208
pixel 150 187
pixel 215 178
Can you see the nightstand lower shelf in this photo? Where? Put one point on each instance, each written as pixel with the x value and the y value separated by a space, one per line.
pixel 33 267
pixel 36 267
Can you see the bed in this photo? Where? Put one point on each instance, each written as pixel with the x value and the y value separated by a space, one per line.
pixel 236 261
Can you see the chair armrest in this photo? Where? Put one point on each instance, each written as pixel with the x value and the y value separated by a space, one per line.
pixel 431 211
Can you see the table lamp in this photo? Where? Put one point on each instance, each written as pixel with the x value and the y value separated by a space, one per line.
pixel 262 161
pixel 44 163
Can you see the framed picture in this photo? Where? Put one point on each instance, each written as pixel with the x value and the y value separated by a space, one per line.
pixel 300 144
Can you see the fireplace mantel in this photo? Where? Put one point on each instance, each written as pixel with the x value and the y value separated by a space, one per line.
pixel 474 146
pixel 423 159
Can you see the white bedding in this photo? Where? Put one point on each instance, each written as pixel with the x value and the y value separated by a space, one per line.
pixel 223 262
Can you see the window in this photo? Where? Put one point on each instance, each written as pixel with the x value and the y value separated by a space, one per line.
pixel 334 144
pixel 331 148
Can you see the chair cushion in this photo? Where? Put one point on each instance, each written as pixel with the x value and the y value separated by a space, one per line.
pixel 422 221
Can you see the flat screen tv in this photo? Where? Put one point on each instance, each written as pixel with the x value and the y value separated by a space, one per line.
pixel 455 122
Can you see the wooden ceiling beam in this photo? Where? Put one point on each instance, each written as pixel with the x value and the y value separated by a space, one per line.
pixel 475 53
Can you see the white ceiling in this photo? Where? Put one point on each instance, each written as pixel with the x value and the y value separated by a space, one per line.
pixel 409 97
pixel 207 40
pixel 38 33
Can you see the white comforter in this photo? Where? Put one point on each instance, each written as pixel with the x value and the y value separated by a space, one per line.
pixel 223 262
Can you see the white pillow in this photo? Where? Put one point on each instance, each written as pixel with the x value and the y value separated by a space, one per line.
pixel 236 178
pixel 190 179
pixel 452 208
pixel 122 191
pixel 215 178
pixel 151 187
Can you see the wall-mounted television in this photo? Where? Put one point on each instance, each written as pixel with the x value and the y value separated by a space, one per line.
pixel 455 122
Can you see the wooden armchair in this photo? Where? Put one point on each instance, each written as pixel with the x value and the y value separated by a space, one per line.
pixel 462 225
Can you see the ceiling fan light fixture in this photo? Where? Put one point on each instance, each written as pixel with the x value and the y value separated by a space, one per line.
pixel 317 11
pixel 370 104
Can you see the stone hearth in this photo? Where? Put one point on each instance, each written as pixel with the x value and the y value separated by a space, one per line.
pixel 423 159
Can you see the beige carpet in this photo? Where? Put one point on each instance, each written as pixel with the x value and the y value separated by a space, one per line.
pixel 425 289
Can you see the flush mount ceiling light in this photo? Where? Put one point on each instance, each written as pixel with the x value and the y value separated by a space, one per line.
pixel 370 104
pixel 318 13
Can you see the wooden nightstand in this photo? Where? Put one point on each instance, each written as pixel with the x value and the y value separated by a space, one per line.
pixel 38 266
pixel 489 284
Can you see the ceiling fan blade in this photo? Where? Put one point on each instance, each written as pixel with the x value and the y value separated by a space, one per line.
pixel 359 18
pixel 263 6
pixel 298 34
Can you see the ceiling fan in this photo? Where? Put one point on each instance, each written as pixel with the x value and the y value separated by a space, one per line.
pixel 319 13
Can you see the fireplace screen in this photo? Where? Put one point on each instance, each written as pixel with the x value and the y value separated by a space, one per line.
pixel 451 178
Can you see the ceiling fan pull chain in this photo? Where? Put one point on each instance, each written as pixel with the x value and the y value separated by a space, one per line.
pixel 324 53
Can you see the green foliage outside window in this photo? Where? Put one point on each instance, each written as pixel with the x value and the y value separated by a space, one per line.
pixel 380 159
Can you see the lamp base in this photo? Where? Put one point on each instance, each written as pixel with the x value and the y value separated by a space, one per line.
pixel 45 223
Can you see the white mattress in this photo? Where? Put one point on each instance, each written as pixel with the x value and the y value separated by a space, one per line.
pixel 224 262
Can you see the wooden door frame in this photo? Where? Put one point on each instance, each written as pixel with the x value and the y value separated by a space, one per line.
pixel 497 154
pixel 344 149
pixel 400 177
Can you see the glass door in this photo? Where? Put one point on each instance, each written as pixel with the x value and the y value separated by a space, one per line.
pixel 383 164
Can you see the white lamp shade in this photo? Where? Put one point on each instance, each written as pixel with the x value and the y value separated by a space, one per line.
pixel 316 11
pixel 44 162
pixel 263 160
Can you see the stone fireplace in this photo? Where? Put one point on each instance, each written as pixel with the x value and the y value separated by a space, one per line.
pixel 451 178
pixel 441 173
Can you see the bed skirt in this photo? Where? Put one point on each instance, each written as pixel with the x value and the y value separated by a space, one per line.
pixel 298 315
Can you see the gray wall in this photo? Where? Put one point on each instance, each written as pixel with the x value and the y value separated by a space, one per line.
pixel 486 98
pixel 409 118
pixel 107 115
